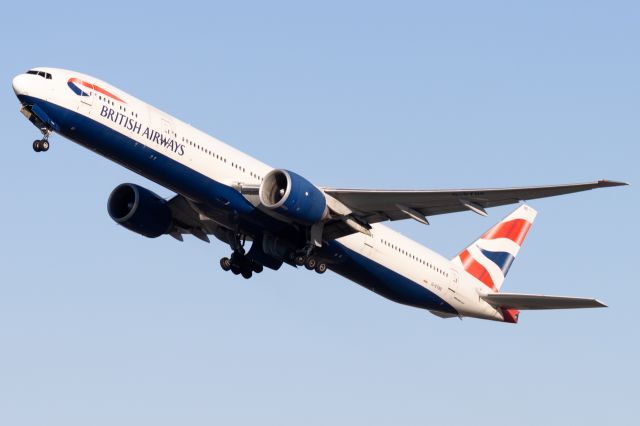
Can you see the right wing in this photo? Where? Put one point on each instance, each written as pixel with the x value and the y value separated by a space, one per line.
pixel 537 302
pixel 188 219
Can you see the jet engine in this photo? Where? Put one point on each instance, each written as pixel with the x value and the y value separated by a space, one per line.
pixel 291 195
pixel 139 210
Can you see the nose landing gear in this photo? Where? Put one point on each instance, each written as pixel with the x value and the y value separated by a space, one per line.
pixel 42 145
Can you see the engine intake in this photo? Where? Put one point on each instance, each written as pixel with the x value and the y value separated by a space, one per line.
pixel 139 210
pixel 293 196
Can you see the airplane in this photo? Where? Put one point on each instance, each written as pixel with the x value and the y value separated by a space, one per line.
pixel 225 193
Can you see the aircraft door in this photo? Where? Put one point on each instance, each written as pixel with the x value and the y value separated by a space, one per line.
pixel 88 99
pixel 86 96
pixel 369 248
pixel 167 129
pixel 454 280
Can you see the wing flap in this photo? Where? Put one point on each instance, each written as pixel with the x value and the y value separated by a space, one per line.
pixel 539 302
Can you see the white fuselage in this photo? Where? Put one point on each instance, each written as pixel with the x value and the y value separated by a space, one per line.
pixel 165 135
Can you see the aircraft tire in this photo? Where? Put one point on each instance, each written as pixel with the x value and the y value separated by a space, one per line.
pixel 225 264
pixel 311 264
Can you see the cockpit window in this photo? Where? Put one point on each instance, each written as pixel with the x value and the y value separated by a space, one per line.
pixel 40 73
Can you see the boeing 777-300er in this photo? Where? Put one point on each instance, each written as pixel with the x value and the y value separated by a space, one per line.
pixel 236 198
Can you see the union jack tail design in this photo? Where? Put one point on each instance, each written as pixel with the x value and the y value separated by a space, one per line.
pixel 489 258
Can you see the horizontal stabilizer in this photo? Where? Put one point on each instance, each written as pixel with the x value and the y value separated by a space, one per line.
pixel 537 301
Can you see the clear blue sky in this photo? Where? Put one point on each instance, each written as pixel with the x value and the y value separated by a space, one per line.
pixel 99 326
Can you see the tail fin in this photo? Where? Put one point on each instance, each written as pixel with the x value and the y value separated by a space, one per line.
pixel 489 258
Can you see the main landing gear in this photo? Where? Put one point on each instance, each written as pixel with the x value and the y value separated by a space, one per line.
pixel 239 264
pixel 42 145
pixel 311 263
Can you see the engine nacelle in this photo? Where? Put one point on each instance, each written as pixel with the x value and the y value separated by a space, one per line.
pixel 139 210
pixel 293 196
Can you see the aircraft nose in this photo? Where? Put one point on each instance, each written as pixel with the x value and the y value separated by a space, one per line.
pixel 20 84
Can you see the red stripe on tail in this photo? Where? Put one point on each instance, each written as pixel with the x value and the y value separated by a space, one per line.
pixel 515 230
pixel 510 315
pixel 476 269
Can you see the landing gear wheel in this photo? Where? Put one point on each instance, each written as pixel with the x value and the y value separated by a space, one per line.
pixel 40 145
pixel 225 264
pixel 311 264
pixel 239 264
pixel 321 268
pixel 299 260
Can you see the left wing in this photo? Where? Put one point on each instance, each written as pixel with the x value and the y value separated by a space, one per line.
pixel 375 205
pixel 369 206
pixel 537 302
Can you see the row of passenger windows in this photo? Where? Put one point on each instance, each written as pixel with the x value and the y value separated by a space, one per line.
pixel 120 107
pixel 106 100
pixel 414 257
pixel 219 157
pixel 124 109
pixel 187 141
pixel 40 73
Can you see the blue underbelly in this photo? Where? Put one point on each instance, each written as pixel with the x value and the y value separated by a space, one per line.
pixel 382 280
